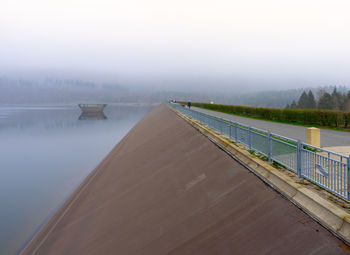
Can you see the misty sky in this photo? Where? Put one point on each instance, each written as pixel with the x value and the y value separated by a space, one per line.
pixel 263 43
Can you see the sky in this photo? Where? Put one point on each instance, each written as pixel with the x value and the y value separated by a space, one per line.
pixel 219 44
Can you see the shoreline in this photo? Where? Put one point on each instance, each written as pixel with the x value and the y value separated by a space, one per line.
pixel 76 104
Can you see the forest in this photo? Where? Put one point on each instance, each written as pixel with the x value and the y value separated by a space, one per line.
pixel 326 101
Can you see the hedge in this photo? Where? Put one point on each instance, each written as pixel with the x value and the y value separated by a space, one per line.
pixel 326 118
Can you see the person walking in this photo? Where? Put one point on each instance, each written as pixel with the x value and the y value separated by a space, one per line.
pixel 189 105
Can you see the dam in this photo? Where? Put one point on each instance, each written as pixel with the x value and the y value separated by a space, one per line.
pixel 167 189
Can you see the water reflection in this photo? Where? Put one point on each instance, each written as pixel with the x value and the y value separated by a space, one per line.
pixel 45 153
pixel 92 115
pixel 43 119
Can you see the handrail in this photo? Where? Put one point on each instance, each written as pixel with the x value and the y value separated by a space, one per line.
pixel 304 159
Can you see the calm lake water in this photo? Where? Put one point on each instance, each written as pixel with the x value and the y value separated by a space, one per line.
pixel 46 152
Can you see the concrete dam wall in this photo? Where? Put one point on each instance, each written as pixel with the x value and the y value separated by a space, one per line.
pixel 166 189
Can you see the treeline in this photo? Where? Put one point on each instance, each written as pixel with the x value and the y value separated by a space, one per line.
pixel 326 101
pixel 68 91
pixel 48 91
pixel 270 98
pixel 325 118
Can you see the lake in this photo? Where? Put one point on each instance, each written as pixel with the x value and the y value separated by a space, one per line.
pixel 46 152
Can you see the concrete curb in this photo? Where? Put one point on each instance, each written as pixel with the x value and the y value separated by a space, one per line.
pixel 327 214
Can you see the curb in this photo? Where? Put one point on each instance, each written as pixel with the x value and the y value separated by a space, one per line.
pixel 324 212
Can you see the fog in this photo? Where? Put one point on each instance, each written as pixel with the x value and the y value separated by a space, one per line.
pixel 184 44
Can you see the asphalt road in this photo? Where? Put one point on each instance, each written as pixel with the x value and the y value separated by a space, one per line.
pixel 328 137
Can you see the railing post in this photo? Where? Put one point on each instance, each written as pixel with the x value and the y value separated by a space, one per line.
pixel 299 160
pixel 236 131
pixel 348 179
pixel 249 138
pixel 229 126
pixel 269 146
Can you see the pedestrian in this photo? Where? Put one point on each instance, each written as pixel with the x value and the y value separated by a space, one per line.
pixel 189 105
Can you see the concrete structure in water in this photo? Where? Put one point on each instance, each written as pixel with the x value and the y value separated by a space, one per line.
pixel 92 108
pixel 166 189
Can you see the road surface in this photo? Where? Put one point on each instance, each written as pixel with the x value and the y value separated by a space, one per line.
pixel 328 137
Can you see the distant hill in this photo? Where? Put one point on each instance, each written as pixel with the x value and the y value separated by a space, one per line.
pixel 72 91
pixel 271 98
pixel 55 91
pixel 58 91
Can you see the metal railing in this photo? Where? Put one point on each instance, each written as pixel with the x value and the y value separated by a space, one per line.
pixel 327 169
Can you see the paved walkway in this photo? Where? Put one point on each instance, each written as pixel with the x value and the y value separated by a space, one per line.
pixel 166 189
pixel 328 137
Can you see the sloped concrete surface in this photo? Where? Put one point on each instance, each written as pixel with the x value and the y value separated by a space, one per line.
pixel 166 189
